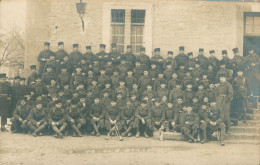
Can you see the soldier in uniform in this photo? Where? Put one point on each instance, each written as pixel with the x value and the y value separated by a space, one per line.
pixel 189 93
pixel 175 92
pixel 130 57
pixel 20 116
pixel 66 62
pixel 57 117
pixel 102 78
pixel 203 122
pixel 172 82
pixel 49 75
pixel 112 116
pixel 153 72
pixel 75 118
pixel 135 91
pixel 109 67
pixel 130 79
pixel 190 65
pixel 115 78
pixel 122 89
pixel 5 97
pixel 157 115
pixel 169 117
pixel 107 90
pixel 238 61
pixel 189 122
pixel 157 58
pixel 75 56
pixel 224 95
pixel 178 108
pixel 213 61
pixel 241 88
pixel 181 58
pixel 215 121
pixel 202 59
pixel 144 80
pixel 171 60
pixel 162 91
pixel 44 56
pixel 123 67
pixel 38 119
pixel 114 55
pixel 61 53
pixel 144 59
pixel 138 70
pixel 63 77
pixel 168 71
pixel 97 113
pixel 89 56
pixel 143 117
pixel 127 118
pixel 181 72
pixel 77 78
pixel 225 59
pixel 32 77
pixel 158 81
pixel 102 55
pixel 201 93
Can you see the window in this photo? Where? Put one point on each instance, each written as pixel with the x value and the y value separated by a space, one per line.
pixel 137 29
pixel 118 28
pixel 130 22
pixel 252 23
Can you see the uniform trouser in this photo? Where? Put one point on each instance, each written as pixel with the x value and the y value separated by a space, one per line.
pixel 220 126
pixel 148 123
pixel 127 126
pixel 3 121
pixel 41 68
pixel 225 108
pixel 97 124
pixel 17 124
pixel 202 130
pixel 36 128
pixel 239 108
pixel 108 125
pixel 4 109
pixel 189 131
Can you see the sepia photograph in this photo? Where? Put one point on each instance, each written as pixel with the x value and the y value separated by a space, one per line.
pixel 130 82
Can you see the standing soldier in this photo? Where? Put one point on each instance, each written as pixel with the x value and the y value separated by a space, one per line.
pixel 238 61
pixel 38 119
pixel 202 59
pixel 61 53
pixel 32 77
pixel 44 56
pixel 144 59
pixel 57 117
pixel 157 58
pixel 89 56
pixel 114 55
pixel 241 88
pixel 5 97
pixel 213 61
pixel 189 122
pixel 224 95
pixel 225 59
pixel 181 58
pixel 75 56
pixel 190 65
pixel 102 55
pixel 130 57
pixel 253 61
pixel 143 117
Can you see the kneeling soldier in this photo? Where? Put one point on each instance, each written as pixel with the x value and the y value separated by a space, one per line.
pixel 57 118
pixel 37 119
pixel 20 116
pixel 97 114
pixel 127 118
pixel 75 118
pixel 143 114
pixel 189 122
pixel 112 116
pixel 215 120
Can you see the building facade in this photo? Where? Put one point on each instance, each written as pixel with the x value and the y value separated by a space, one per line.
pixel 150 23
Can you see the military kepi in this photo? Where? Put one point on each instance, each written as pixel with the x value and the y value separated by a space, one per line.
pixel 2 75
pixel 46 44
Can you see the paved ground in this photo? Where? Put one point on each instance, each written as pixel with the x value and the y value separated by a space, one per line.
pixel 25 149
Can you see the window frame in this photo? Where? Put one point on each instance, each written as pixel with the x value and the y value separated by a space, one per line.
pixel 253 15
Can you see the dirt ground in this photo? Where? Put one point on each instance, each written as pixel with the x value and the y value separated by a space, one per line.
pixel 27 150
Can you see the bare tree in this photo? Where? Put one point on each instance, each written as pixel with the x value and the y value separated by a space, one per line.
pixel 12 48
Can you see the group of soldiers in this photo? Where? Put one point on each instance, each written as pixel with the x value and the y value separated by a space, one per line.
pixel 91 93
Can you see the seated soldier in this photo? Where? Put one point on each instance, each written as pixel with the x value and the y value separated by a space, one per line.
pixel 189 122
pixel 97 113
pixel 20 116
pixel 143 117
pixel 57 117
pixel 203 115
pixel 179 111
pixel 38 119
pixel 112 116
pixel 127 118
pixel 84 107
pixel 215 121
pixel 158 115
pixel 169 117
pixel 75 118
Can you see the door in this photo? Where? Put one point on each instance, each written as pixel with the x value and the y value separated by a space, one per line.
pixel 251 41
